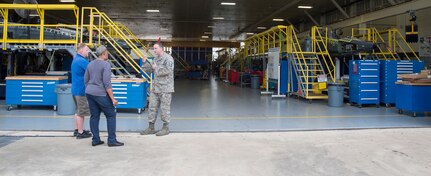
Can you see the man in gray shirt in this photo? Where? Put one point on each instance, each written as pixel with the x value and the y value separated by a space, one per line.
pixel 163 86
pixel 100 97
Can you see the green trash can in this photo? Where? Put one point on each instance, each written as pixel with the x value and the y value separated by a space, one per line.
pixel 255 81
pixel 336 94
pixel 65 104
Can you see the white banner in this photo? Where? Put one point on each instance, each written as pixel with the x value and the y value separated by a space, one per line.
pixel 273 62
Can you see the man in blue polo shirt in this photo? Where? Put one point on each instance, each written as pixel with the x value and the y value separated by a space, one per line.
pixel 79 65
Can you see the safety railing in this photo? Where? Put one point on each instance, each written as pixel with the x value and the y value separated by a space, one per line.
pixel 373 35
pixel 320 46
pixel 181 60
pixel 41 10
pixel 98 21
pixel 293 42
pixel 396 40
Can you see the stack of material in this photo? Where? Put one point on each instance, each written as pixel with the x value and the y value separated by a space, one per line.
pixel 423 77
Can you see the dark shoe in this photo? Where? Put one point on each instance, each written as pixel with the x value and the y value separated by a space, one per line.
pixel 164 131
pixel 83 135
pixel 116 144
pixel 86 131
pixel 75 133
pixel 149 130
pixel 97 143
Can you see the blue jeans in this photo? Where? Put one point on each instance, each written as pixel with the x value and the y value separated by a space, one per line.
pixel 97 105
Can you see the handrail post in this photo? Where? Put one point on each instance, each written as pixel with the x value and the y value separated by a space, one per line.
pixel 5 13
pixel 90 30
pixel 41 13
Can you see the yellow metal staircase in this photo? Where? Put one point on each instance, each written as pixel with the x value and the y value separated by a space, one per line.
pixel 319 36
pixel 307 68
pixel 118 37
pixel 181 61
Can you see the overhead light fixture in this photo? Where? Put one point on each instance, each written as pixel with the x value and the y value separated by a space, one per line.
pixel 67 0
pixel 277 19
pixel 218 18
pixel 205 36
pixel 228 3
pixel 305 7
pixel 202 40
pixel 33 14
pixel 261 27
pixel 208 33
pixel 153 11
pixel 210 26
pixel 163 29
pixel 250 33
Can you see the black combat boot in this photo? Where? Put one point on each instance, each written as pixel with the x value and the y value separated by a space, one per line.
pixel 164 131
pixel 149 130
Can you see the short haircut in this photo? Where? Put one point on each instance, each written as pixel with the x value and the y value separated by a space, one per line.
pixel 80 46
pixel 100 50
pixel 159 43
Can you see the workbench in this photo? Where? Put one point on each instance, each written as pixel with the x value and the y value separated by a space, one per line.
pixel 130 93
pixel 413 97
pixel 32 90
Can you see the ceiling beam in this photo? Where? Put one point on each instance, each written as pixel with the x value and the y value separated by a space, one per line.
pixel 392 2
pixel 311 18
pixel 205 44
pixel 340 9
pixel 384 13
pixel 282 9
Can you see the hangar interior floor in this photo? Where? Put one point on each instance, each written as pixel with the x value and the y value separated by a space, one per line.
pixel 214 106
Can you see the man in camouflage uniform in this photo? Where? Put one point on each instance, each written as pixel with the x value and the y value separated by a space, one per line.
pixel 163 86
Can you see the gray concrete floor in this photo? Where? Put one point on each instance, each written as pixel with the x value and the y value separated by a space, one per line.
pixel 213 106
pixel 350 152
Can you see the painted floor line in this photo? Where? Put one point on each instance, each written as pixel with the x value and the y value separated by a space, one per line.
pixel 215 118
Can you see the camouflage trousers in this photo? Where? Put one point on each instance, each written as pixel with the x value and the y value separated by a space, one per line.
pixel 164 101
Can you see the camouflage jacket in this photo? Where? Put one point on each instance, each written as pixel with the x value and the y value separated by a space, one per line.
pixel 163 81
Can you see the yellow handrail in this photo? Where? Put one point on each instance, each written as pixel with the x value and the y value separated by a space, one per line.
pixel 395 32
pixel 134 38
pixel 40 9
pixel 323 52
pixel 181 61
pixel 102 32
pixel 374 36
pixel 297 50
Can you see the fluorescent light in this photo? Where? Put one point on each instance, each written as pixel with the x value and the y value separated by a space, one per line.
pixel 202 40
pixel 250 33
pixel 163 29
pixel 228 3
pixel 153 11
pixel 205 36
pixel 218 18
pixel 208 33
pixel 211 26
pixel 305 7
pixel 67 0
pixel 277 19
pixel 33 15
pixel 261 27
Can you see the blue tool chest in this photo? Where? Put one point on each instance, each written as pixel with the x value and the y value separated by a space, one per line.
pixel 389 71
pixel 364 79
pixel 130 94
pixel 32 90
